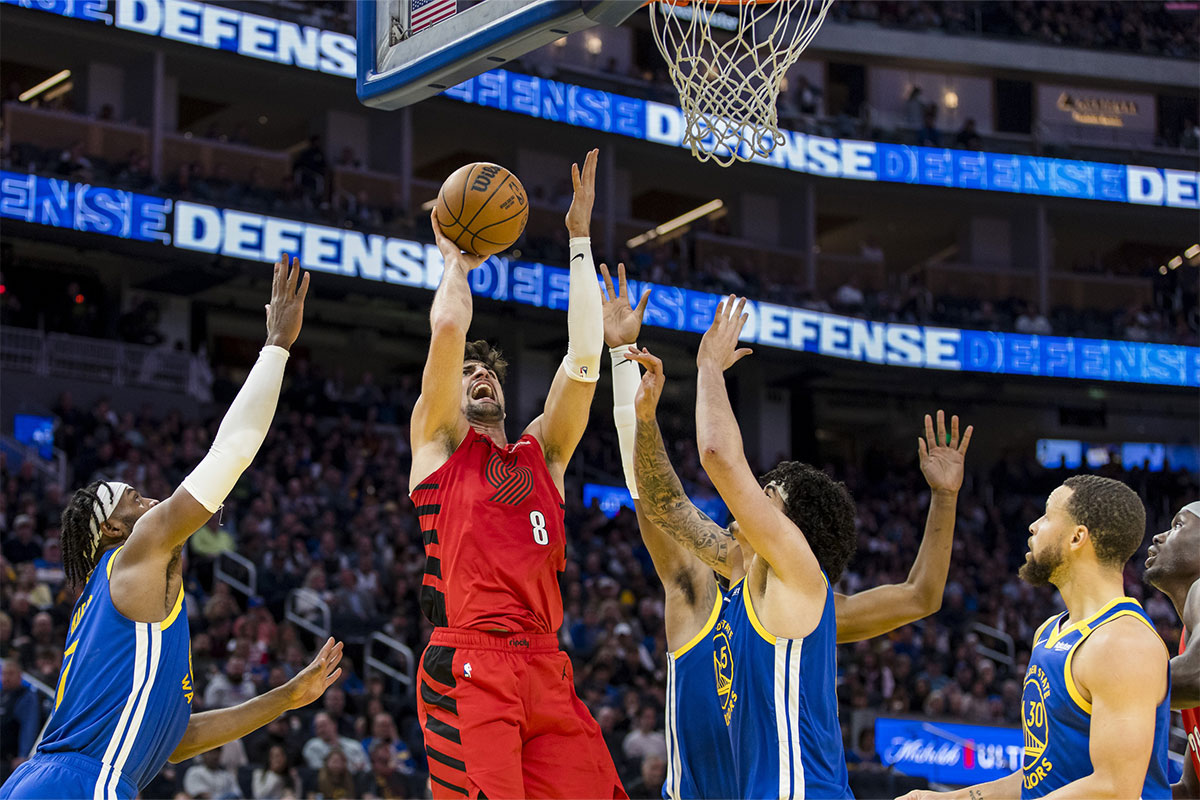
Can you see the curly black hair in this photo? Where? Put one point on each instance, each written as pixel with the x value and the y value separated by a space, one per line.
pixel 489 355
pixel 1112 513
pixel 822 509
pixel 78 553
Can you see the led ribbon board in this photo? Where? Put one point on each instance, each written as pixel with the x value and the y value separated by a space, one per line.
pixel 333 53
pixel 257 237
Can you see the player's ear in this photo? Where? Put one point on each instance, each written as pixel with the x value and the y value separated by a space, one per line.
pixel 1080 535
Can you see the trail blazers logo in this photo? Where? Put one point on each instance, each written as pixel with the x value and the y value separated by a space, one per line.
pixel 513 483
pixel 723 668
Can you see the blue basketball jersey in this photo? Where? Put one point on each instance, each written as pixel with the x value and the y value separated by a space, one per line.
pixel 779 701
pixel 699 756
pixel 1056 718
pixel 125 692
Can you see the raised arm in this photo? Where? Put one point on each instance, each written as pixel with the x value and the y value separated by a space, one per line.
pixel 766 528
pixel 210 729
pixel 1123 667
pixel 564 419
pixel 693 542
pixel 438 424
pixel 884 608
pixel 1185 667
pixel 159 532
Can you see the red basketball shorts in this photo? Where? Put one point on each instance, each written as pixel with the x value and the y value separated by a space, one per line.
pixel 501 720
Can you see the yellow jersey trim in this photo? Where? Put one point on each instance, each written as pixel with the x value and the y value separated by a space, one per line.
pixel 1069 678
pixel 1038 634
pixel 71 649
pixel 166 623
pixel 706 629
pixel 769 638
pixel 1084 625
pixel 108 567
pixel 62 684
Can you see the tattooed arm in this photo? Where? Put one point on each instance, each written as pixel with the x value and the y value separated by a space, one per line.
pixel 662 498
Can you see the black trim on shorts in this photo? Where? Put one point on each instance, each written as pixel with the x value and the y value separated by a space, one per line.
pixel 435 698
pixel 438 664
pixel 443 729
pixel 450 786
pixel 449 761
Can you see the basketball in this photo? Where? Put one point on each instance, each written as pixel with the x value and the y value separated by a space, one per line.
pixel 482 208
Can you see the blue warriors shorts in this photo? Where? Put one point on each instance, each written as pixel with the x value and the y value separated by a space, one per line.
pixel 63 776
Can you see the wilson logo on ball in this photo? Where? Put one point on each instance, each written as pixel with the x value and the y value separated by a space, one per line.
pixel 484 179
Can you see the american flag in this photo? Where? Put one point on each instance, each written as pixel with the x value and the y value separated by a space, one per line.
pixel 427 12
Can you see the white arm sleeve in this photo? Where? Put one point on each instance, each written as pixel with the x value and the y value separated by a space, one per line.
pixel 585 315
pixel 241 432
pixel 626 377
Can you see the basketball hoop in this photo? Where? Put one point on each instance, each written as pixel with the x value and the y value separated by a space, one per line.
pixel 729 82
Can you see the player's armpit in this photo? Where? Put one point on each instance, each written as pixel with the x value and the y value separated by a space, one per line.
pixel 563 420
pixel 1122 668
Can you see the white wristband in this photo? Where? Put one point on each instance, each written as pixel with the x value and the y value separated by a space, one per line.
pixel 626 377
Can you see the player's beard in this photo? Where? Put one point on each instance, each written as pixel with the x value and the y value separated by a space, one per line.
pixel 1037 570
pixel 480 413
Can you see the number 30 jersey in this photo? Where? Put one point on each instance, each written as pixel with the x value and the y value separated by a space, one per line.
pixel 492 523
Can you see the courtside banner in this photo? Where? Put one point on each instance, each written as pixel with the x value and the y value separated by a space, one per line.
pixel 252 236
pixel 947 752
pixel 333 53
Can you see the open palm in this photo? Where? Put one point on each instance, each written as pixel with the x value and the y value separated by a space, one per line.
pixel 312 681
pixel 622 320
pixel 942 459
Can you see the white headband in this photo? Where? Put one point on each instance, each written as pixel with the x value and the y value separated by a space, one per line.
pixel 1193 507
pixel 103 508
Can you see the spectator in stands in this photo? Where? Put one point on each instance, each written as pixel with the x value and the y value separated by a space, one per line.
pixel 646 739
pixel 914 109
pixel 277 779
pixel 968 137
pixel 231 687
pixel 22 545
pixel 73 164
pixel 385 781
pixel 1032 321
pixel 383 732
pixel 928 134
pixel 41 630
pixel 326 740
pixel 20 718
pixel 309 168
pixel 651 774
pixel 849 297
pixel 334 780
pixel 208 780
pixel 1190 139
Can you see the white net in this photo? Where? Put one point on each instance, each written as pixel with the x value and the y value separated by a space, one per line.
pixel 728 62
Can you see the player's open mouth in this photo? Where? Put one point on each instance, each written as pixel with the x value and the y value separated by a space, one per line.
pixel 1153 554
pixel 481 391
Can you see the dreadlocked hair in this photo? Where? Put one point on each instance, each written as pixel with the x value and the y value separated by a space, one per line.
pixel 78 554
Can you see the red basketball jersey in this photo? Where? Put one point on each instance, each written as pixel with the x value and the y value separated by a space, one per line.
pixel 492 522
pixel 1191 719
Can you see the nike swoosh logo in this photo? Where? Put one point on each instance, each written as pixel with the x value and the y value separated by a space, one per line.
pixel 577 255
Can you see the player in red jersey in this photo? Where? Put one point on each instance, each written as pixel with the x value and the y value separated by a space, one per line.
pixel 1173 567
pixel 496 697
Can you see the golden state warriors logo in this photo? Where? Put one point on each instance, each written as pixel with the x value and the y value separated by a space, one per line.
pixel 1036 726
pixel 723 667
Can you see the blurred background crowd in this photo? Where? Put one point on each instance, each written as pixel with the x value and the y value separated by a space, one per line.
pixel 324 508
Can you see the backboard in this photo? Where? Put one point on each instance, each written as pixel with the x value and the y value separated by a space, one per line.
pixel 409 50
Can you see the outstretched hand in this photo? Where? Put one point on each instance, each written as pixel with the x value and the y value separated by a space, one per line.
pixel 941 458
pixel 579 215
pixel 645 402
pixel 312 681
pixel 622 320
pixel 451 254
pixel 719 346
pixel 285 312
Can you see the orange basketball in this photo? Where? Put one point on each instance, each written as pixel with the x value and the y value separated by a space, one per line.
pixel 482 208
